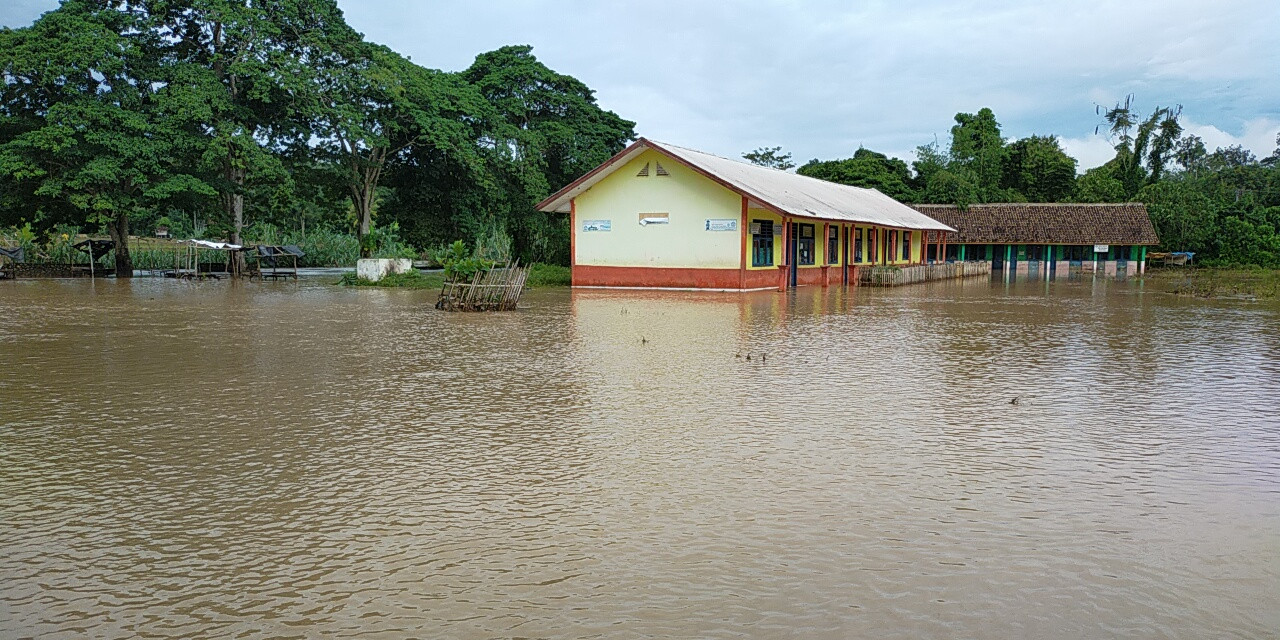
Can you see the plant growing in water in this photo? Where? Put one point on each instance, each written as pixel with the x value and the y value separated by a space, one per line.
pixel 459 262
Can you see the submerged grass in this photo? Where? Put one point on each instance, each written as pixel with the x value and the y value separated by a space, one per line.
pixel 540 276
pixel 412 280
pixel 1220 282
pixel 548 275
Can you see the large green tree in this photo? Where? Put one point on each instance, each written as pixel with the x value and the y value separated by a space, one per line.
pixel 1144 147
pixel 377 107
pixel 978 152
pixel 105 125
pixel 252 63
pixel 1038 169
pixel 868 169
pixel 549 130
pixel 771 157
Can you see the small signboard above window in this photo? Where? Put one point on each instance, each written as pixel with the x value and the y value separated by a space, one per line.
pixel 653 218
pixel 597 225
pixel 1101 248
pixel 722 224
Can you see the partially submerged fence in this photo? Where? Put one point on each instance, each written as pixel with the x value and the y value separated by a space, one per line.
pixel 496 289
pixel 894 276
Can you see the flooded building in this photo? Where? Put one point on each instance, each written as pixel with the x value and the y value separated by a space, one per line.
pixel 659 215
pixel 1044 239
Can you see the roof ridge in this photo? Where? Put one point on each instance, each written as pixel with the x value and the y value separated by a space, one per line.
pixel 1033 204
pixel 753 165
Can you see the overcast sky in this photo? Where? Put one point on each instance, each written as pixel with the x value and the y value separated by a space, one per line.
pixel 822 78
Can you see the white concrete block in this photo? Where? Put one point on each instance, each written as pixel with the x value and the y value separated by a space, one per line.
pixel 375 269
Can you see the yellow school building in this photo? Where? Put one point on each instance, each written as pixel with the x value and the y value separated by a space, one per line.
pixel 662 216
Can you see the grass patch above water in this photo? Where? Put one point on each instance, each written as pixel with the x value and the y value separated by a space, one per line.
pixel 540 276
pixel 548 275
pixel 1214 282
pixel 412 280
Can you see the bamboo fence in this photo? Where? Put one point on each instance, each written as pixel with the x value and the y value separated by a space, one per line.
pixel 495 289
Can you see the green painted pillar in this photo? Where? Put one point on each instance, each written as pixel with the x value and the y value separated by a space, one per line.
pixel 1008 254
pixel 962 253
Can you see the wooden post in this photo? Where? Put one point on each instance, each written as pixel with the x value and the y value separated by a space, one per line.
pixel 91 274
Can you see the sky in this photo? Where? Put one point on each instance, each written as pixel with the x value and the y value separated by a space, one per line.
pixel 822 78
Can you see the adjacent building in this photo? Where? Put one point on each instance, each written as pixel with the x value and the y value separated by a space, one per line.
pixel 1044 239
pixel 660 215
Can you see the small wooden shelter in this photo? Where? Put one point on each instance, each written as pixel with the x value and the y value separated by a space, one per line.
pixel 9 259
pixel 96 250
pixel 187 265
pixel 272 262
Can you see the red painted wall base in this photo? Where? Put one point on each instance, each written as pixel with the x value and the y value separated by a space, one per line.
pixel 673 278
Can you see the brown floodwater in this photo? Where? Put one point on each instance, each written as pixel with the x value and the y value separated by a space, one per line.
pixel 960 460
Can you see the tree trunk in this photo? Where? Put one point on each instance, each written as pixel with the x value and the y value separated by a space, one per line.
pixel 362 199
pixel 234 202
pixel 118 229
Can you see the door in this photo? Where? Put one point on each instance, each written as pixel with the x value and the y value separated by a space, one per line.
pixel 792 243
pixel 844 264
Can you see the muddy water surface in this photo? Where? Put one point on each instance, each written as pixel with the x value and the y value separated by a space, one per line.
pixel 969 459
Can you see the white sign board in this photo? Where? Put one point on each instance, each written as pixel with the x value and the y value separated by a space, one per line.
pixel 722 224
pixel 597 225
pixel 1101 248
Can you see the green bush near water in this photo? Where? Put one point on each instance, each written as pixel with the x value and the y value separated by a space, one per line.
pixel 540 276
pixel 548 275
pixel 412 280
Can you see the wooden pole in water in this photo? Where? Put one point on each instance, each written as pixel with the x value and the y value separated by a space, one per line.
pixel 91 276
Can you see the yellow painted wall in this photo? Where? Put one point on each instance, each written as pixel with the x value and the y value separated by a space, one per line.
pixel 687 197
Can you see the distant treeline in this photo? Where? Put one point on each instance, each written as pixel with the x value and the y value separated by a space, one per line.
pixel 213 116
pixel 1225 205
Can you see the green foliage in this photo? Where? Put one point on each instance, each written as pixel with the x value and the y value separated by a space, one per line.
pixel 459 262
pixel 771 157
pixel 1143 147
pixel 1039 170
pixel 1099 184
pixel 412 280
pixel 978 153
pixel 218 115
pixel 868 169
pixel 1247 283
pixel 549 275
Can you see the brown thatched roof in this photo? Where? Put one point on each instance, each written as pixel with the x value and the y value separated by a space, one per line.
pixel 1022 223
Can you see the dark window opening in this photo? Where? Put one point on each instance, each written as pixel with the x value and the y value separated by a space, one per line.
pixel 761 243
pixel 833 244
pixel 906 245
pixel 857 245
pixel 804 245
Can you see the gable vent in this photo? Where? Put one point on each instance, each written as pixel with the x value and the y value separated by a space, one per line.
pixel 644 173
pixel 660 171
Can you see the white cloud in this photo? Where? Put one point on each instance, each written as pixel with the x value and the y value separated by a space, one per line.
pixel 1091 151
pixel 1257 135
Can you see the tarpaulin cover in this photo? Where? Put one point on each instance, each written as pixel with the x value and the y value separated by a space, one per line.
pixel 16 254
pixel 100 247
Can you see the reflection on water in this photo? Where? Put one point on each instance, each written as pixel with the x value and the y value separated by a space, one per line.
pixel 972 459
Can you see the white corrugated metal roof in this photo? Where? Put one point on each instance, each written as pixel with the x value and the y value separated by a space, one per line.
pixel 789 193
